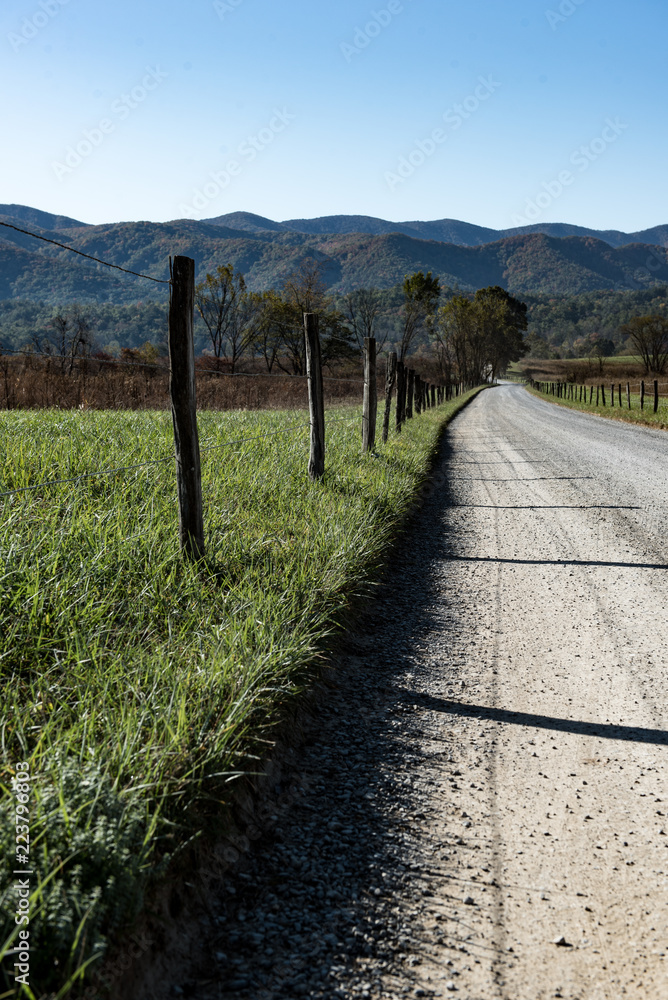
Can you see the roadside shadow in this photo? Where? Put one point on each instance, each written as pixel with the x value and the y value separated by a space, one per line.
pixel 604 731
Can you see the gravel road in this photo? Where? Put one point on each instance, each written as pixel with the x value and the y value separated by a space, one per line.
pixel 479 808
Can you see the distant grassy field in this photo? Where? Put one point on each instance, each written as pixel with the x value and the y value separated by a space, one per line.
pixel 582 369
pixel 139 687
pixel 633 415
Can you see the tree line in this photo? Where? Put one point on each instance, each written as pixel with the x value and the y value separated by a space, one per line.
pixel 474 337
pixel 590 324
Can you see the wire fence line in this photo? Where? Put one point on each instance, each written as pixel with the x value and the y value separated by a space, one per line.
pixel 182 370
pixel 648 392
pixel 63 246
pixel 205 449
pixel 87 475
pixel 200 367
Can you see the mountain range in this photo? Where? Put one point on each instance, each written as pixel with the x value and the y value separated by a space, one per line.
pixel 549 258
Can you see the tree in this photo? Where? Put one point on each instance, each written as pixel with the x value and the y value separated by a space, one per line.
pixel 456 337
pixel 305 291
pixel 478 337
pixel 361 309
pixel 228 311
pixel 536 345
pixel 421 294
pixel 601 348
pixel 649 335
pixel 69 335
pixel 269 328
pixel 502 320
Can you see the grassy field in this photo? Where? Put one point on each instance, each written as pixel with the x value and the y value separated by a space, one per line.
pixel 139 687
pixel 634 415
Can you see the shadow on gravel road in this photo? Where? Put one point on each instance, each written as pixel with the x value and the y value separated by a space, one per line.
pixel 334 894
pixel 604 731
pixel 558 562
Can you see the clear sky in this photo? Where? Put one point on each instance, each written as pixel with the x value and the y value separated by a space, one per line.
pixel 497 112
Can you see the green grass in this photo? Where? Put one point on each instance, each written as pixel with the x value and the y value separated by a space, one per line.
pixel 140 687
pixel 635 415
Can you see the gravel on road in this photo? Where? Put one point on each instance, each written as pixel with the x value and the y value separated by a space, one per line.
pixel 478 807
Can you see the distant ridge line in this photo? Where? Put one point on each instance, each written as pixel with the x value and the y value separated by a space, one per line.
pixel 442 230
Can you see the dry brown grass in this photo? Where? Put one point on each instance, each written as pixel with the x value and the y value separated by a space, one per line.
pixel 29 382
pixel 585 371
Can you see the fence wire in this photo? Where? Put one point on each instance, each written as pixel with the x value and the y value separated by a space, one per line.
pixel 63 246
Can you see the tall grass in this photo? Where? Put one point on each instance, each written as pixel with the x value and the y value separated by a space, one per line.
pixel 137 685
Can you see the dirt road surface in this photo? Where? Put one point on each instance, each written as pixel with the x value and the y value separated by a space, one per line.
pixel 480 809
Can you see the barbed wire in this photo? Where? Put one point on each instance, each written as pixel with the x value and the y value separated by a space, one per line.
pixel 87 475
pixel 164 367
pixel 227 444
pixel 159 461
pixel 63 246
pixel 83 357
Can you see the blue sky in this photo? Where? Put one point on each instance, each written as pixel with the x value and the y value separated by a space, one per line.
pixel 497 112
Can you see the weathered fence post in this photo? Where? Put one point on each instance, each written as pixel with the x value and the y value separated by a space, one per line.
pixel 370 404
pixel 656 395
pixel 612 394
pixel 401 396
pixel 603 395
pixel 410 392
pixel 390 378
pixel 642 395
pixel 628 394
pixel 316 402
pixel 184 407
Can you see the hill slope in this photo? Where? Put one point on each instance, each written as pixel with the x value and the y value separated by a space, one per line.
pixel 530 263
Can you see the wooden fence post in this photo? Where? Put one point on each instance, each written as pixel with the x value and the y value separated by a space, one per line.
pixel 184 407
pixel 612 394
pixel 642 395
pixel 401 396
pixel 602 395
pixel 390 379
pixel 316 403
pixel 628 395
pixel 656 395
pixel 370 404
pixel 433 395
pixel 410 392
